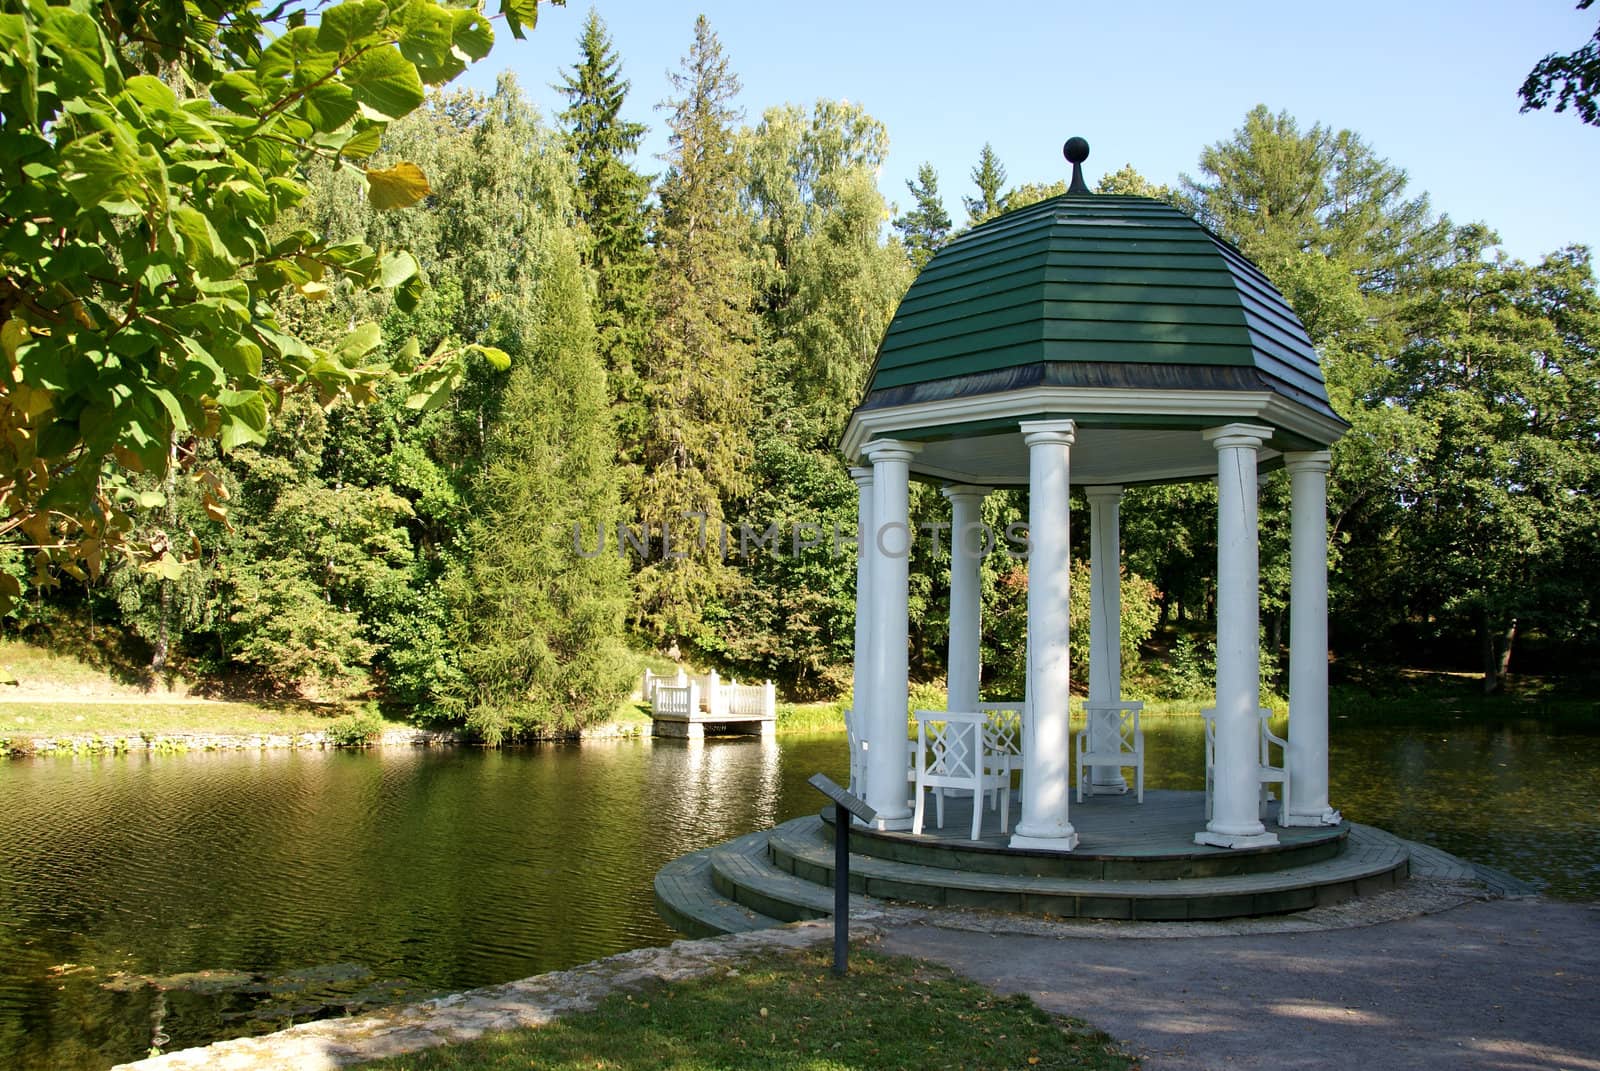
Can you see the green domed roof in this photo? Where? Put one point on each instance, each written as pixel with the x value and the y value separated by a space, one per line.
pixel 1129 284
pixel 1121 313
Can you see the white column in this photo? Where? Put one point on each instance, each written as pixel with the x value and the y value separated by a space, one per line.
pixel 861 671
pixel 1308 640
pixel 1047 756
pixel 889 544
pixel 1235 819
pixel 966 598
pixel 1105 631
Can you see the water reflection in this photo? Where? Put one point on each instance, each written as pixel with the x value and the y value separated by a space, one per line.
pixel 328 880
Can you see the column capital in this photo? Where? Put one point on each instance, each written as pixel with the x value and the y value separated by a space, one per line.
pixel 1105 493
pixel 1308 461
pixel 1234 436
pixel 1056 432
pixel 879 450
pixel 953 491
pixel 862 475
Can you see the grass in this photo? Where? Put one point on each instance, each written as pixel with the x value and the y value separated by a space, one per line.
pixel 87 669
pixel 111 718
pixel 787 1013
pixel 811 717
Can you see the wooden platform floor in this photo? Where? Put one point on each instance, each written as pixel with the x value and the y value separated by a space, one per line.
pixel 1163 825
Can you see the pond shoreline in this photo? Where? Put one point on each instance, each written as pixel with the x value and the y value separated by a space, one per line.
pixel 170 743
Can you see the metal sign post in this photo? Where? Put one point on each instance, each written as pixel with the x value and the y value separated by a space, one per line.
pixel 844 806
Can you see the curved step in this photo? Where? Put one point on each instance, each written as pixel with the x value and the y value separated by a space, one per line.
pixel 1105 821
pixel 1372 861
pixel 688 902
pixel 742 871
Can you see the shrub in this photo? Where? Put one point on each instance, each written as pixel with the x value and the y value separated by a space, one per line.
pixel 355 730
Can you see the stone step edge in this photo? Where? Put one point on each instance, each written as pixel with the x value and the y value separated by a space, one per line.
pixel 743 872
pixel 985 857
pixel 688 901
pixel 1199 898
pixel 802 839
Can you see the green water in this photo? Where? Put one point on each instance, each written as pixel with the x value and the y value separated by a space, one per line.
pixel 306 883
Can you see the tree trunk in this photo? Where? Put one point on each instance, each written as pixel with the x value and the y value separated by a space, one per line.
pixel 158 657
pixel 1496 654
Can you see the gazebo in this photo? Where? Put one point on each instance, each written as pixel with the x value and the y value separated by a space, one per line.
pixel 1114 341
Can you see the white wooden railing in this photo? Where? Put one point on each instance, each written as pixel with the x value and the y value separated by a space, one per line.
pixel 677 697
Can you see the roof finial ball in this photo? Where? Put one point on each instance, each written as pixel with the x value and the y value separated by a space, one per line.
pixel 1076 150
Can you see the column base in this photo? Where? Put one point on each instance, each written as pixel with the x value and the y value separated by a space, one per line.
pixel 892 825
pixel 1329 817
pixel 1108 789
pixel 1065 843
pixel 1236 840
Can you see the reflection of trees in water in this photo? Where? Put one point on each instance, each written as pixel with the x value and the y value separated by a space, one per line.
pixel 461 867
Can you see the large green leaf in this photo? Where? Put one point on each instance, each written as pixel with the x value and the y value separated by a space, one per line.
pixel 397 268
pixel 474 36
pixel 151 93
pixel 103 169
pixel 237 91
pixel 201 243
pixel 329 106
pixel 347 24
pixel 362 340
pixel 297 57
pixel 426 35
pixel 363 143
pixel 244 417
pixel 385 82
pixel 520 14
pixel 19 64
pixel 75 41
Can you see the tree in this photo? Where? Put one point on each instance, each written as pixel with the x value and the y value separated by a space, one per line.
pixel 1031 193
pixel 151 152
pixel 827 286
pixel 611 204
pixel 695 446
pixel 1502 365
pixel 1577 73
pixel 1128 182
pixel 538 624
pixel 1287 197
pixel 1331 224
pixel 311 565
pixel 927 227
pixel 989 175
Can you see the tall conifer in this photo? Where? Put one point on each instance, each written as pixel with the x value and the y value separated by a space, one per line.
pixel 926 227
pixel 695 448
pixel 989 175
pixel 611 202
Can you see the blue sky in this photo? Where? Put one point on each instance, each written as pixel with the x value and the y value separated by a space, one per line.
pixel 1431 86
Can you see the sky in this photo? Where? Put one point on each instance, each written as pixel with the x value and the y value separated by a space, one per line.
pixel 1431 86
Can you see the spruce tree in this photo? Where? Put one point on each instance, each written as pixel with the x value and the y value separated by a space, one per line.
pixel 611 203
pixel 536 622
pixel 695 446
pixel 989 175
pixel 926 227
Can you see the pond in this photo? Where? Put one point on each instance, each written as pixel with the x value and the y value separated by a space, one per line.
pixel 181 899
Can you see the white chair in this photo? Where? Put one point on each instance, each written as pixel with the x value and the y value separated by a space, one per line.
pixel 1003 741
pixel 1266 772
pixel 1126 748
pixel 951 752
